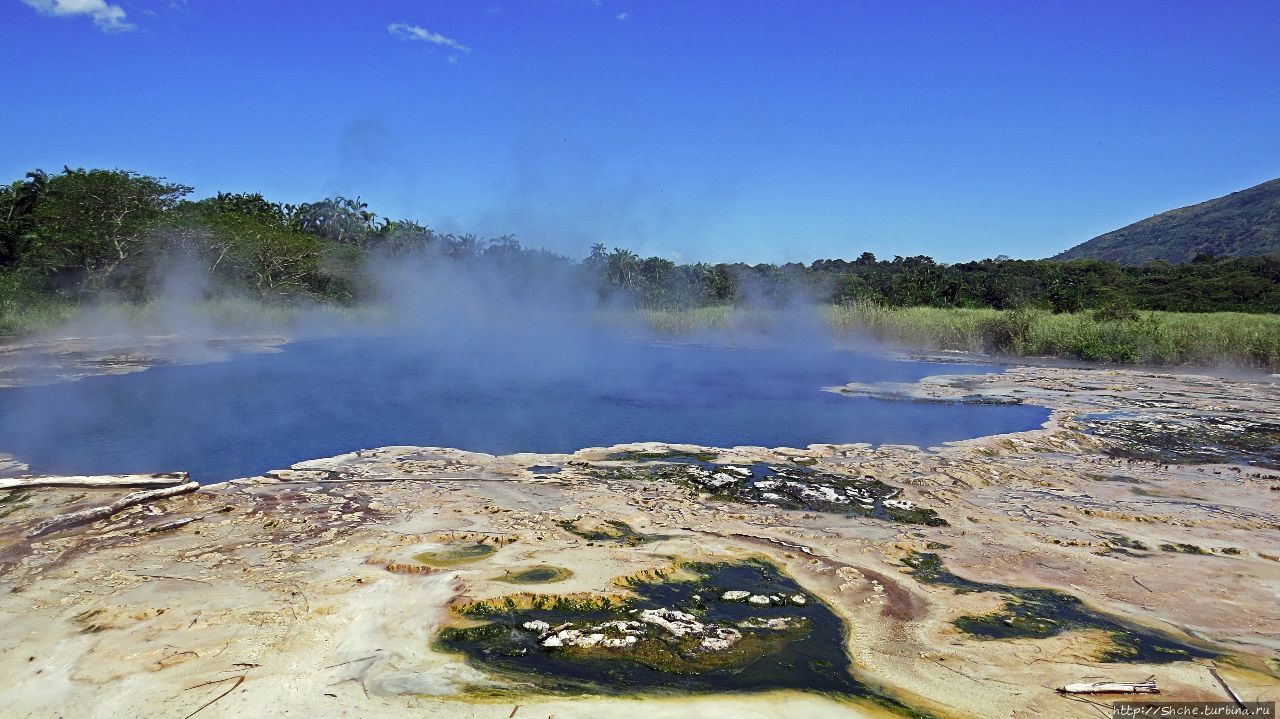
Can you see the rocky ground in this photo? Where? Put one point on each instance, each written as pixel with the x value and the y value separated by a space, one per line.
pixel 62 358
pixel 1136 535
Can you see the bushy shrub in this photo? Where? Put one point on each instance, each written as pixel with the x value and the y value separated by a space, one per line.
pixel 24 308
pixel 1008 331
pixel 1115 312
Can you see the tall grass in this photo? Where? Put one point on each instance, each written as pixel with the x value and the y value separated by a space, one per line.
pixel 919 327
pixel 24 311
pixel 682 321
pixel 228 314
pixel 1155 338
pixel 25 319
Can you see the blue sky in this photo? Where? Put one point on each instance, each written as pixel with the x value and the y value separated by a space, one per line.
pixel 745 130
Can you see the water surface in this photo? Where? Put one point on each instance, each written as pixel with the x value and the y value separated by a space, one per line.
pixel 324 397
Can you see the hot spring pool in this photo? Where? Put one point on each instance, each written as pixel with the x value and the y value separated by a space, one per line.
pixel 324 397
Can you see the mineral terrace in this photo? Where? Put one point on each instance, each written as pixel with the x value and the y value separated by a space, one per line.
pixel 1135 535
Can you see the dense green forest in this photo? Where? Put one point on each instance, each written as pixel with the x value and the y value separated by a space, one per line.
pixel 79 234
pixel 1241 224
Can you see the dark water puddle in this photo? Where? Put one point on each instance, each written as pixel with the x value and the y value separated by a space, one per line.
pixel 790 486
pixel 1198 440
pixel 1037 613
pixel 259 412
pixel 742 627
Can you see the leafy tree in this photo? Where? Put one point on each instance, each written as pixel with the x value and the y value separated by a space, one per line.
pixel 81 232
pixel 89 226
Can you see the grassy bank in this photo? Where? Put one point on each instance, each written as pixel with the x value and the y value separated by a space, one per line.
pixel 1156 338
pixel 223 314
pixel 17 320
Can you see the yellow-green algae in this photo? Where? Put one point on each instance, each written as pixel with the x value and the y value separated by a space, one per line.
pixel 544 574
pixel 455 554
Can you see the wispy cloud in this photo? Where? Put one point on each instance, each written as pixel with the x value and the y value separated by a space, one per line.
pixel 415 33
pixel 108 17
pixel 622 16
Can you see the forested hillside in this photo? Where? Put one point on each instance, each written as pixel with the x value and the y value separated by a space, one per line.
pixel 1242 224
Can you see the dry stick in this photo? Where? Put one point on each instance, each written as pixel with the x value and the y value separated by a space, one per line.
pixel 353 661
pixel 85 516
pixel 161 660
pixel 239 679
pixel 1223 682
pixel 173 524
pixel 169 576
pixel 950 669
pixel 358 679
pixel 1096 705
pixel 1140 584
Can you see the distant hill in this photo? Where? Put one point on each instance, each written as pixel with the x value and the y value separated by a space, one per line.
pixel 1242 224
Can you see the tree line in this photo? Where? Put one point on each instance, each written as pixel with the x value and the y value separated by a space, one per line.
pixel 78 234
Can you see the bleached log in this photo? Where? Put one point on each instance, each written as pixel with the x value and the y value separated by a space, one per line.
pixel 93 514
pixel 327 476
pixel 174 524
pixel 1144 687
pixel 166 479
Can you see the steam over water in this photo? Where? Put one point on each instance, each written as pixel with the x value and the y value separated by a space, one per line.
pixel 324 397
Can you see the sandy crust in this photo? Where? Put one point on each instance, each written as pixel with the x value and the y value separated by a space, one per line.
pixel 299 592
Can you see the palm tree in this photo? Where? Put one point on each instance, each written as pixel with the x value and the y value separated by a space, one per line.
pixel 621 268
pixel 26 194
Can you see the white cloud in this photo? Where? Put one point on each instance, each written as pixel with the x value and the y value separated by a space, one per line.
pixel 414 33
pixel 622 16
pixel 108 17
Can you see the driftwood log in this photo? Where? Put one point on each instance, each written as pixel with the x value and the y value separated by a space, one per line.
pixel 1144 687
pixel 74 519
pixel 174 524
pixel 323 476
pixel 167 479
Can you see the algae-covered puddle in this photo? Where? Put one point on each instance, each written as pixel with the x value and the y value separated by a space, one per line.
pixel 1030 612
pixel 452 555
pixel 320 398
pixel 724 627
pixel 1200 439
